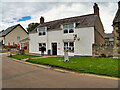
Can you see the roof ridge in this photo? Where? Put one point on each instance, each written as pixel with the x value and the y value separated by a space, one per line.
pixel 12 26
pixel 116 15
pixel 9 29
pixel 55 24
pixel 69 18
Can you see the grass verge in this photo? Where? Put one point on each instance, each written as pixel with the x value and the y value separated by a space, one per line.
pixel 24 56
pixel 99 66
pixel 3 52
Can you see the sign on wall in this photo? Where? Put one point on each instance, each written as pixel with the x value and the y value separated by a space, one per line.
pixel 68 40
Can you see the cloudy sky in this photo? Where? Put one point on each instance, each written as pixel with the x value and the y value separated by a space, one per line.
pixel 12 13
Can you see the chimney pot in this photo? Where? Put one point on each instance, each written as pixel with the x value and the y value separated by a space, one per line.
pixel 96 9
pixel 41 20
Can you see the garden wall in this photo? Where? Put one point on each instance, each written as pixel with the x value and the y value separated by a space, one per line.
pixel 13 50
pixel 99 50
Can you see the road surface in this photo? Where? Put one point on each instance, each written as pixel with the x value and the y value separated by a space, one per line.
pixel 20 75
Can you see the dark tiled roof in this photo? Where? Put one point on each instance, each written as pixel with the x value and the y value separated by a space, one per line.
pixel 1 33
pixel 109 35
pixel 82 21
pixel 117 17
pixel 9 29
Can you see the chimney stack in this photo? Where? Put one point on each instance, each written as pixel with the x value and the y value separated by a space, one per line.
pixel 41 20
pixel 96 9
pixel 119 5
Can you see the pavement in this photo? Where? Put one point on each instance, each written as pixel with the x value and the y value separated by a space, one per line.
pixel 18 74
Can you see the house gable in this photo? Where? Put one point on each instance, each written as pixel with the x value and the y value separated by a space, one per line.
pixel 14 34
pixel 9 29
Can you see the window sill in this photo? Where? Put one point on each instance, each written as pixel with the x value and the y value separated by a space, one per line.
pixel 41 35
pixel 68 33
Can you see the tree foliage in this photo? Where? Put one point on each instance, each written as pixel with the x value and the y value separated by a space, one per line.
pixel 32 26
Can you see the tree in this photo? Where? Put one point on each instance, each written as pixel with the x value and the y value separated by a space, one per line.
pixel 32 26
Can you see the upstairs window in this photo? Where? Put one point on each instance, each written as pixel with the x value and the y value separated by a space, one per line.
pixel 18 37
pixel 42 31
pixel 69 28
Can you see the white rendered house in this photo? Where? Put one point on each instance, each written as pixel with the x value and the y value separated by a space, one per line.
pixel 78 33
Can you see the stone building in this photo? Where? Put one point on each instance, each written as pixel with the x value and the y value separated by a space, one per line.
pixel 116 27
pixel 109 38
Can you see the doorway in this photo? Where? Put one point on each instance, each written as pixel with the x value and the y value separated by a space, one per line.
pixel 54 48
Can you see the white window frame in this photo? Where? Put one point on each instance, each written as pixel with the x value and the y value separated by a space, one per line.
pixel 70 46
pixel 68 29
pixel 45 29
pixel 22 45
pixel 42 45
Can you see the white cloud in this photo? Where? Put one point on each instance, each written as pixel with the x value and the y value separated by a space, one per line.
pixel 107 12
pixel 59 0
pixel 53 11
pixel 0 12
pixel 64 11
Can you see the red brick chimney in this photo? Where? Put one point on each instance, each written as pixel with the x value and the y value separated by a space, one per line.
pixel 41 20
pixel 119 5
pixel 96 9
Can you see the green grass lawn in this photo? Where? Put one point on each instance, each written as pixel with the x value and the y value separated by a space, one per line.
pixel 100 66
pixel 3 52
pixel 24 56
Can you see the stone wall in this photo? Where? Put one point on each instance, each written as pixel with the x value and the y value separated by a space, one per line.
pixel 98 50
pixel 12 51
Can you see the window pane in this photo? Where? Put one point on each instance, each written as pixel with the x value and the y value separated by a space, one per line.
pixel 43 33
pixel 18 37
pixel 73 49
pixel 39 49
pixel 42 29
pixel 38 29
pixel 71 31
pixel 45 48
pixel 65 26
pixel 71 44
pixel 65 31
pixel 71 26
pixel 40 33
pixel 65 43
pixel 44 44
pixel 40 44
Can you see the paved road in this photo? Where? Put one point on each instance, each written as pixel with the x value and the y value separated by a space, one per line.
pixel 20 75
